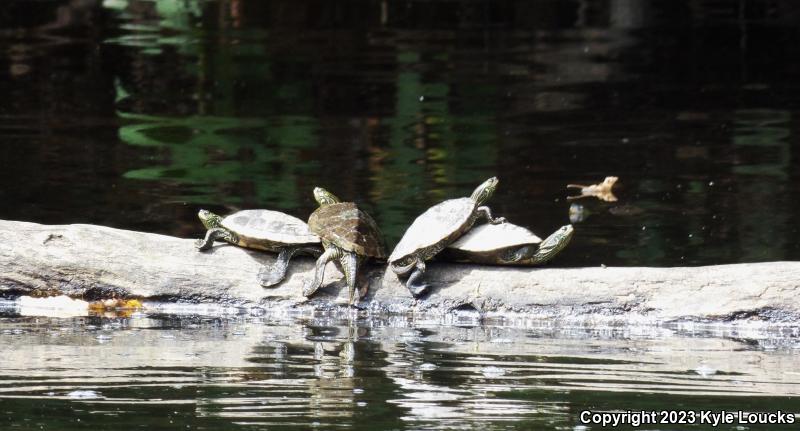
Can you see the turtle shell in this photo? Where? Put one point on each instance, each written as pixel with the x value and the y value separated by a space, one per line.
pixel 265 226
pixel 442 222
pixel 491 237
pixel 349 228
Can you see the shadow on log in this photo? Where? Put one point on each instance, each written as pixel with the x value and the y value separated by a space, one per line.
pixel 93 261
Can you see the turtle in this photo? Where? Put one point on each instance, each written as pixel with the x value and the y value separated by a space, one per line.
pixel 435 229
pixel 507 244
pixel 349 236
pixel 262 230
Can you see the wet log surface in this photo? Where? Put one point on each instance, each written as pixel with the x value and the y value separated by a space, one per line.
pixel 94 261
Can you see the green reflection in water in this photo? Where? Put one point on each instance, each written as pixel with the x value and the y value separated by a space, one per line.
pixel 220 157
pixel 179 15
pixel 427 151
pixel 762 144
pixel 207 152
pixel 173 16
pixel 430 149
pixel 762 138
pixel 402 176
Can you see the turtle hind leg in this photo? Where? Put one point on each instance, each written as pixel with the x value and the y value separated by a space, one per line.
pixel 485 212
pixel 349 266
pixel 402 270
pixel 312 250
pixel 412 284
pixel 271 275
pixel 217 233
pixel 319 273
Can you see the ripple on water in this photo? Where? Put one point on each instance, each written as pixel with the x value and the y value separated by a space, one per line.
pixel 239 371
pixel 84 395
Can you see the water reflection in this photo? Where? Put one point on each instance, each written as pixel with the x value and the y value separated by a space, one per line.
pixel 763 158
pixel 134 113
pixel 214 155
pixel 263 373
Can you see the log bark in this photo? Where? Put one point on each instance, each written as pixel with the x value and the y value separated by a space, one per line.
pixel 95 261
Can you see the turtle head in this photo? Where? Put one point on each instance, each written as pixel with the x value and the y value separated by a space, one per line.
pixel 484 191
pixel 557 240
pixel 209 219
pixel 324 197
pixel 566 231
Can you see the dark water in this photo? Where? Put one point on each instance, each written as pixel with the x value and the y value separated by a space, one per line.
pixel 135 114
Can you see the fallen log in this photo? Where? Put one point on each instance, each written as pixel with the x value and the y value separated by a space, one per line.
pixel 95 261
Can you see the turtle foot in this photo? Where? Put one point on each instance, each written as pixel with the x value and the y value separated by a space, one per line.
pixel 417 291
pixel 269 278
pixel 498 220
pixel 309 290
pixel 363 290
pixel 358 306
pixel 202 245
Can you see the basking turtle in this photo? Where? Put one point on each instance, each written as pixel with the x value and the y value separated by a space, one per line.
pixel 263 230
pixel 507 244
pixel 348 235
pixel 436 228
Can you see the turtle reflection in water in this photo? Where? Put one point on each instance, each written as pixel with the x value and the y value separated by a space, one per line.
pixel 262 230
pixel 349 237
pixel 435 229
pixel 507 244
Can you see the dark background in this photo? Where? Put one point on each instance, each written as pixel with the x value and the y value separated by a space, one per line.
pixel 135 114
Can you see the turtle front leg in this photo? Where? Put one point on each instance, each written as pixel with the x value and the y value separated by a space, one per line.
pixel 520 254
pixel 270 276
pixel 217 233
pixel 412 285
pixel 349 266
pixel 319 273
pixel 485 212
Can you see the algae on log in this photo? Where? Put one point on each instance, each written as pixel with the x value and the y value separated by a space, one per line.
pixel 95 261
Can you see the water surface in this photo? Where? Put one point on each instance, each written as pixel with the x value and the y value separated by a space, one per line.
pixel 153 371
pixel 137 113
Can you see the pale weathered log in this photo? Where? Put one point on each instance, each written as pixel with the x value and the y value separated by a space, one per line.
pixel 87 260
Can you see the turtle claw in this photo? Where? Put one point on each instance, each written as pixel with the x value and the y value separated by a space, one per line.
pixel 268 278
pixel 309 290
pixel 417 291
pixel 215 234
pixel 202 245
pixel 353 301
pixel 271 275
pixel 363 290
pixel 359 293
pixel 497 220
pixel 319 272
pixel 412 284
